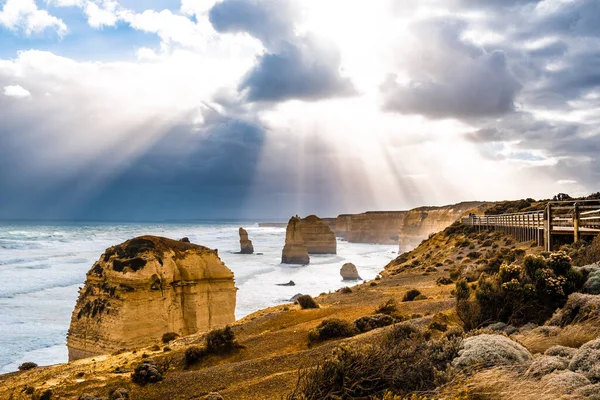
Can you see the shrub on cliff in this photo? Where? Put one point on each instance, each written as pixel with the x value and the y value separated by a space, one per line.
pixel 194 354
pixel 306 302
pixel 331 329
pixel 146 373
pixel 27 366
pixel 411 295
pixel 220 341
pixel 578 308
pixel 545 365
pixel 169 336
pixel 370 322
pixel 490 351
pixel 403 361
pixel 518 294
pixel 586 360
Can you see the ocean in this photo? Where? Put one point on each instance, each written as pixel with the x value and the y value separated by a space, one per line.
pixel 43 265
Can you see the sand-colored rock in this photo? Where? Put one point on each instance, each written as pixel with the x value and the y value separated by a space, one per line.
pixel 245 243
pixel 146 287
pixel 294 251
pixel 318 237
pixel 349 272
pixel 406 228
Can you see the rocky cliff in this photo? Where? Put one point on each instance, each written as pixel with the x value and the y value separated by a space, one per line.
pixel 294 251
pixel 421 222
pixel 407 228
pixel 246 246
pixel 146 287
pixel 318 237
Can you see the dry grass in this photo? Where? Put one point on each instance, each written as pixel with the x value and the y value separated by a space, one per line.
pixel 508 383
pixel 570 336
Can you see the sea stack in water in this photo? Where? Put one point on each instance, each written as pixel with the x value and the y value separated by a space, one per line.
pixel 294 251
pixel 318 237
pixel 349 272
pixel 245 243
pixel 146 287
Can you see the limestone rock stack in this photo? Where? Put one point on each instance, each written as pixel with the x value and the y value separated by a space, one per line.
pixel 245 243
pixel 294 251
pixel 146 287
pixel 349 272
pixel 318 237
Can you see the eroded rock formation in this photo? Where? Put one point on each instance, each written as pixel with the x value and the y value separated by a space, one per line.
pixel 349 272
pixel 294 251
pixel 245 243
pixel 318 237
pixel 407 228
pixel 145 287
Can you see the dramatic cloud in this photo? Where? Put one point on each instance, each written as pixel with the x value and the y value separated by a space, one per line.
pixel 293 66
pixel 265 108
pixel 452 77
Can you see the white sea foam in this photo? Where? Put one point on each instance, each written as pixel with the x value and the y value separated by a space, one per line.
pixel 44 265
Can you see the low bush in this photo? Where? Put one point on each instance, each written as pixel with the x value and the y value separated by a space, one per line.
pixel 490 351
pixel 561 351
pixel 565 381
pixel 119 394
pixel 578 308
pixel 345 290
pixel 370 322
pixel 146 373
pixel 438 326
pixel 401 362
pixel 411 295
pixel 306 302
pixel 220 341
pixel 518 294
pixel 389 307
pixel 444 281
pixel 331 329
pixel 27 366
pixel 545 365
pixel 474 255
pixel 194 354
pixel 169 336
pixel 586 360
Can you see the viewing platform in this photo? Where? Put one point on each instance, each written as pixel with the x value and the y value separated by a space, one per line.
pixel 550 227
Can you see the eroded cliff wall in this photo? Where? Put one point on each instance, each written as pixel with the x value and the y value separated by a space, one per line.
pixel 318 237
pixel 406 228
pixel 146 287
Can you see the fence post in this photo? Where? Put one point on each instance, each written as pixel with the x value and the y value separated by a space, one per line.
pixel 576 223
pixel 548 227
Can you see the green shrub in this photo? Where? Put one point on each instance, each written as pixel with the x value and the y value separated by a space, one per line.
pixel 411 295
pixel 330 329
pixel 169 336
pixel 444 281
pixel 403 361
pixel 220 341
pixel 194 354
pixel 370 322
pixel 27 366
pixel 519 294
pixel 306 302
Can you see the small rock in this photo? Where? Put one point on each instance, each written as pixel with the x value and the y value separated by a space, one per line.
pixel 349 272
pixel 290 283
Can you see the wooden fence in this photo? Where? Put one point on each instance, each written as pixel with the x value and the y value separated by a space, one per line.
pixel 576 219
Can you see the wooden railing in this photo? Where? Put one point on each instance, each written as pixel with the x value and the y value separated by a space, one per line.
pixel 580 218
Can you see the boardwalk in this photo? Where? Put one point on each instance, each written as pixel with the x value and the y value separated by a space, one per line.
pixel 560 222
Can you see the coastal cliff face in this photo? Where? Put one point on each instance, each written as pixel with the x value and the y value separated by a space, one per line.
pixel 146 287
pixel 294 251
pixel 407 228
pixel 421 222
pixel 246 246
pixel 370 227
pixel 318 237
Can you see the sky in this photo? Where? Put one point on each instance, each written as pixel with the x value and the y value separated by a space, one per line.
pixel 199 109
